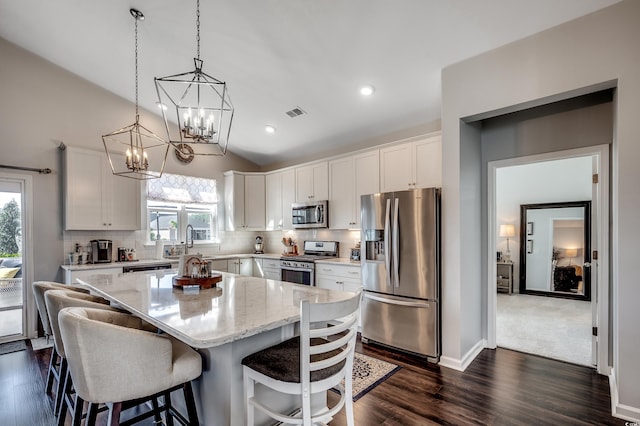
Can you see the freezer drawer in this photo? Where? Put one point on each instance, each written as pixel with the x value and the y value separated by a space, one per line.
pixel 407 324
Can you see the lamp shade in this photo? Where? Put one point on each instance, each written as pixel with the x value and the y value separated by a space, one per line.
pixel 571 252
pixel 507 231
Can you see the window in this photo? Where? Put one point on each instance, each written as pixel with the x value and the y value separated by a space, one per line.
pixel 175 201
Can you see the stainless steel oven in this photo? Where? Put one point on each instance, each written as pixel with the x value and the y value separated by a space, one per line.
pixel 298 272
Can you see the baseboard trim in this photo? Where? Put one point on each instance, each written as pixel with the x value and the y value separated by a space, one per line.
pixel 462 364
pixel 621 411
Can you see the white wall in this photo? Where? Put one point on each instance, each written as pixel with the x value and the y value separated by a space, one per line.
pixel 545 182
pixel 565 61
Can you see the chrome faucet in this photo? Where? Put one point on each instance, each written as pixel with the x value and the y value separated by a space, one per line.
pixel 189 234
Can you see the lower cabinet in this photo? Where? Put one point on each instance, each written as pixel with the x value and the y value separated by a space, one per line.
pixel 266 268
pixel 242 266
pixel 70 277
pixel 338 277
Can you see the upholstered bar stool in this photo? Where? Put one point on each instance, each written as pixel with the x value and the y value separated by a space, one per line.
pixel 39 289
pixel 113 362
pixel 56 300
pixel 316 361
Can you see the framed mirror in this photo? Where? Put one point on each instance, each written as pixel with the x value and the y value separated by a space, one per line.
pixel 555 249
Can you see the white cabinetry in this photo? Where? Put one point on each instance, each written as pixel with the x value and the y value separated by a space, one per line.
pixel 242 266
pixel 349 178
pixel 280 189
pixel 338 277
pixel 266 268
pixel 244 197
pixel 94 198
pixel 312 182
pixel 416 164
pixel 71 276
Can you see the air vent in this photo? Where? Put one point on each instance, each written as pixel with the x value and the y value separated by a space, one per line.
pixel 295 112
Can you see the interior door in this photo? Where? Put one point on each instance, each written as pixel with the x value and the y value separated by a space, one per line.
pixel 595 238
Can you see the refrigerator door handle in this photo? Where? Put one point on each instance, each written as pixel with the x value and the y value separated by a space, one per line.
pixel 396 248
pixel 387 238
pixel 395 302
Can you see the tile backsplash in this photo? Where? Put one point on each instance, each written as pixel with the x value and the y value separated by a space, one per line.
pixel 230 242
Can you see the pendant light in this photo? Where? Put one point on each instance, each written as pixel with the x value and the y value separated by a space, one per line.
pixel 202 108
pixel 134 151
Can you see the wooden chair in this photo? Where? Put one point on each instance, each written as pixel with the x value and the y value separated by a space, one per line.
pixel 318 360
pixel 115 363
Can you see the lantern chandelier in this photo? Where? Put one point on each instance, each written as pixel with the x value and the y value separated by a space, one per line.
pixel 134 151
pixel 202 107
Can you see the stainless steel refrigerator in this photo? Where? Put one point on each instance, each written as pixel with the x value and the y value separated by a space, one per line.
pixel 401 270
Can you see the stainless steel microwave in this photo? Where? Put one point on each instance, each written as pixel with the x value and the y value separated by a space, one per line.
pixel 313 214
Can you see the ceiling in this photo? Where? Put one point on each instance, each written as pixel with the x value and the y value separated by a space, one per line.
pixel 276 55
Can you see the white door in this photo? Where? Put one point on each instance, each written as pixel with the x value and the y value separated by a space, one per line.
pixel 13 233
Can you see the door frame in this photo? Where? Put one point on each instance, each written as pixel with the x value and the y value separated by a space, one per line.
pixel 600 237
pixel 29 318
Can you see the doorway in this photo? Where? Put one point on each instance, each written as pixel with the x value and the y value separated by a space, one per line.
pixel 13 230
pixel 594 313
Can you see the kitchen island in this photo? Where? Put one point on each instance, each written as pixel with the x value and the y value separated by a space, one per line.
pixel 241 316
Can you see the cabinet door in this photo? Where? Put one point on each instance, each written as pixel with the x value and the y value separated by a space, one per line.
pixel 84 190
pixel 342 194
pixel 254 201
pixel 124 202
pixel 367 178
pixel 274 205
pixel 396 172
pixel 304 184
pixel 234 201
pixel 246 266
pixel 233 266
pixel 328 282
pixel 258 270
pixel 428 163
pixel 320 181
pixel 288 197
pixel 312 182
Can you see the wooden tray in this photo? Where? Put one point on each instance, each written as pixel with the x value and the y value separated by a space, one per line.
pixel 207 282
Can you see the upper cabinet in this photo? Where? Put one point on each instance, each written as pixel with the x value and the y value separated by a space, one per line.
pixel 280 187
pixel 244 197
pixel 349 178
pixel 312 182
pixel 416 164
pixel 95 199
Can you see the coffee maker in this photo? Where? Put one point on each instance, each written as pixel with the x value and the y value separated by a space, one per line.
pixel 101 251
pixel 259 246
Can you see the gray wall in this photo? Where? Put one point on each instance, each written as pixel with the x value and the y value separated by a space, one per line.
pixel 582 56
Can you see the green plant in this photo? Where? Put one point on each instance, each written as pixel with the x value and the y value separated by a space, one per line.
pixel 9 227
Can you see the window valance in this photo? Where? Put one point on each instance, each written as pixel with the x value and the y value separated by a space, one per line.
pixel 182 189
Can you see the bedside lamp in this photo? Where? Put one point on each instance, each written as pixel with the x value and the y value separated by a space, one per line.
pixel 571 253
pixel 507 231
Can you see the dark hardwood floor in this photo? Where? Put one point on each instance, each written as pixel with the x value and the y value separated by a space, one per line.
pixel 501 387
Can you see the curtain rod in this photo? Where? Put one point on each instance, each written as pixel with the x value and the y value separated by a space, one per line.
pixel 28 169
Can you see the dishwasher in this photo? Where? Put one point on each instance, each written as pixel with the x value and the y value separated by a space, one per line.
pixel 138 268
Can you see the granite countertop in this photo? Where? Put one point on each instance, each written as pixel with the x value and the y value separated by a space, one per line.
pixel 239 307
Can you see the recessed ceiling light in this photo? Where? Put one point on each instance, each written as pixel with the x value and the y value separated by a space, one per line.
pixel 367 90
pixel 161 106
pixel 269 128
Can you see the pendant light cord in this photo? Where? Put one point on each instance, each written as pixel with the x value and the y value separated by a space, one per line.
pixel 136 59
pixel 198 27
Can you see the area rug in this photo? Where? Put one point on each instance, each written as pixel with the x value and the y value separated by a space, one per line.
pixel 7 348
pixel 368 373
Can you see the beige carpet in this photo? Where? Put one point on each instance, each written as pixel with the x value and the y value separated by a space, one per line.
pixel 547 326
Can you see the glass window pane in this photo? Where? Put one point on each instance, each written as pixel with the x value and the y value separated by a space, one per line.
pixel 163 225
pixel 201 222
